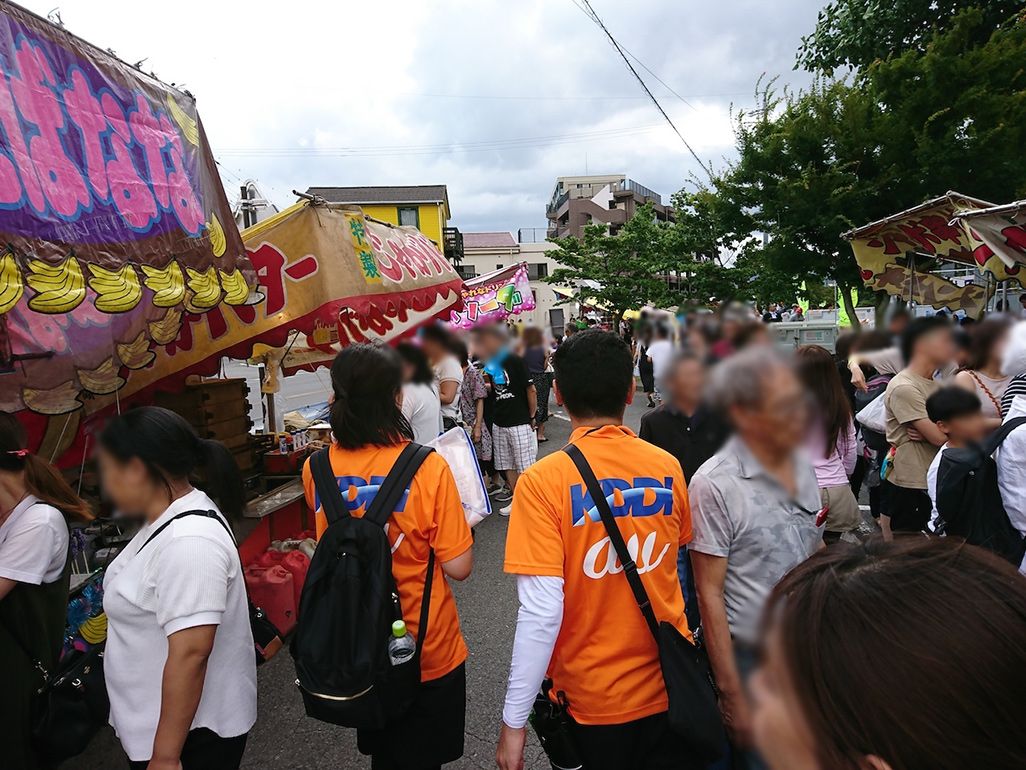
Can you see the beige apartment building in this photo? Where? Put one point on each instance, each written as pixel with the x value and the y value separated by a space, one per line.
pixel 609 199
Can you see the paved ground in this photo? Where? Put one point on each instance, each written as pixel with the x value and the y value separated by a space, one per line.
pixel 285 738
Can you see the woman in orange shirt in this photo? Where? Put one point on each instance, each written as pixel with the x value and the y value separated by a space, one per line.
pixel 370 433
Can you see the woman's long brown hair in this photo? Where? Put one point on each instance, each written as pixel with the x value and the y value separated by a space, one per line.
pixel 818 372
pixel 911 651
pixel 41 478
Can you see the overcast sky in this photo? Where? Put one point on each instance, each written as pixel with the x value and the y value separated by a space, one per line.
pixel 493 98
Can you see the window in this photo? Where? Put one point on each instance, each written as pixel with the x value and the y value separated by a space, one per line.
pixel 409 217
pixel 498 266
pixel 537 270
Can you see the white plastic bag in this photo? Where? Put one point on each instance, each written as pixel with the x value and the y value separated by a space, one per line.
pixel 458 450
pixel 874 415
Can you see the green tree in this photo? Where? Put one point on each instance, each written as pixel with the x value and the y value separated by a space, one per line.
pixel 619 272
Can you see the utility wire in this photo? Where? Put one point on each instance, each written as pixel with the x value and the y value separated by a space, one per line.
pixel 585 6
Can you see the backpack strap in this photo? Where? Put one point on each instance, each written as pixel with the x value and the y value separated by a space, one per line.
pixel 396 482
pixel 997 438
pixel 326 485
pixel 630 568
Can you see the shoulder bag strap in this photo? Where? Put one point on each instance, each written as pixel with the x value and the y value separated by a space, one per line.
pixel 985 389
pixel 326 484
pixel 630 568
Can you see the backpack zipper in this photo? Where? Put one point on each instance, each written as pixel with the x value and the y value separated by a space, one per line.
pixel 334 697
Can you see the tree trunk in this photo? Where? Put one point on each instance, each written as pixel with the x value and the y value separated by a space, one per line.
pixel 849 306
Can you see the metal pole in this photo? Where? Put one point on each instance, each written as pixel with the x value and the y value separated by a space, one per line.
pixel 248 220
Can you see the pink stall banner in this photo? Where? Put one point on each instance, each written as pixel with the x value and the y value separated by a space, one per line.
pixel 494 297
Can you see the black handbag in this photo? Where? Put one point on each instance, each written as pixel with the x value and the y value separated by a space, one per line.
pixel 267 641
pixel 70 705
pixel 693 710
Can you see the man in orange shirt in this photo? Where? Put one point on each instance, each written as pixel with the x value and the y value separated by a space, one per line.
pixel 579 622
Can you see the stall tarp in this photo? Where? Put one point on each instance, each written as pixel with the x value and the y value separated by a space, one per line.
pixel 493 297
pixel 113 221
pixel 330 277
pixel 1000 233
pixel 883 248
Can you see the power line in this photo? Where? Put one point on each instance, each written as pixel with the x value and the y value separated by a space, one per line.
pixel 585 6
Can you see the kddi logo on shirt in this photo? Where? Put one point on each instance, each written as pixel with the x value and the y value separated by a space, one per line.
pixel 358 493
pixel 642 497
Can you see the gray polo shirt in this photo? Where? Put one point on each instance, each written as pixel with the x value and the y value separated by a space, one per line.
pixel 740 512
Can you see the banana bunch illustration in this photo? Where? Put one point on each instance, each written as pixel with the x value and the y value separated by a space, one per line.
pixel 187 123
pixel 167 284
pixel 59 288
pixel 166 329
pixel 236 290
pixel 12 286
pixel 218 242
pixel 117 291
pixel 58 400
pixel 205 288
pixel 101 380
pixel 136 354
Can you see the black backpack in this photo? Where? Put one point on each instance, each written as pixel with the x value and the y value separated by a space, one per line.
pixel 349 603
pixel 969 500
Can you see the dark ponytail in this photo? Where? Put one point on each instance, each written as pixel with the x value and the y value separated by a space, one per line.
pixel 365 381
pixel 171 451
pixel 41 479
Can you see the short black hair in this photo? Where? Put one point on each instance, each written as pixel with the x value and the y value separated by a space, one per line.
pixel 594 372
pixel 918 328
pixel 412 354
pixel 436 333
pixel 952 401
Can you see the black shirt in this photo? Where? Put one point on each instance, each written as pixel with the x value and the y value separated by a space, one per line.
pixel 692 440
pixel 509 402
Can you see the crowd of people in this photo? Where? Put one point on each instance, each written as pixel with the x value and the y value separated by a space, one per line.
pixel 835 635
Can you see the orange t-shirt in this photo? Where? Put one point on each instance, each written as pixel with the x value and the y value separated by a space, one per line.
pixel 430 515
pixel 605 658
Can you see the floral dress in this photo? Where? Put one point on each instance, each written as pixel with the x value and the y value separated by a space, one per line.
pixel 471 390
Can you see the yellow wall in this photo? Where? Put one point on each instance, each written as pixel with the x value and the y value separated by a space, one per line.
pixel 432 218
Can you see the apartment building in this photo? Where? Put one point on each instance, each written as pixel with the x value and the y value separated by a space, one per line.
pixel 609 199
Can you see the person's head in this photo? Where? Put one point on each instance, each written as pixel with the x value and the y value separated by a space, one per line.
pixel 23 471
pixel 1022 300
pixel 416 367
pixel 366 382
pixel 148 456
pixel 750 334
pixel 987 342
pixel 569 329
pixel 928 340
pixel 533 337
pixel 490 339
pixel 662 332
pixel 898 321
pixel 696 341
pixel 686 380
pixel 462 353
pixel 436 341
pixel 817 371
pixel 958 414
pixel 758 391
pixel 951 690
pixel 594 375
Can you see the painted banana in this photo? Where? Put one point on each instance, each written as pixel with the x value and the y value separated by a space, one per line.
pixel 167 284
pixel 205 288
pixel 218 242
pixel 136 354
pixel 236 290
pixel 101 380
pixel 165 331
pixel 59 288
pixel 58 400
pixel 187 123
pixel 117 291
pixel 12 285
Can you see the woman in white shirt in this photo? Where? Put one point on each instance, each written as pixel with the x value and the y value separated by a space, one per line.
pixel 180 663
pixel 437 343
pixel 420 405
pixel 34 564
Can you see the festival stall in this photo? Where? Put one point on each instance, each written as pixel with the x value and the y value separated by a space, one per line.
pixel 896 254
pixel 494 297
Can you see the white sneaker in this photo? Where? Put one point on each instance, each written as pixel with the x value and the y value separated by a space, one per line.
pixel 505 511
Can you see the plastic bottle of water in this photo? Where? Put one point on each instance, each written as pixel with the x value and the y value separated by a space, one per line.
pixel 401 646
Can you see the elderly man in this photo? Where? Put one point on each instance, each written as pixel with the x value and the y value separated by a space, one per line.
pixel 756 512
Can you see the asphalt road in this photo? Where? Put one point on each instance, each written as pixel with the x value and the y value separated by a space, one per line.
pixel 285 738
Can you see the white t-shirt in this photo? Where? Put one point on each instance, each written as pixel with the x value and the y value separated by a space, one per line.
pixel 449 370
pixel 188 576
pixel 33 543
pixel 661 353
pixel 931 486
pixel 422 410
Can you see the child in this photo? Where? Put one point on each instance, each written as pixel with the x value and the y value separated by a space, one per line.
pixel 959 416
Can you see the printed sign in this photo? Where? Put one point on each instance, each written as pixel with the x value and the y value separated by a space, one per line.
pixel 494 297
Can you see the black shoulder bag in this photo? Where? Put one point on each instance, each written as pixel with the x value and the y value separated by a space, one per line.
pixel 266 636
pixel 693 713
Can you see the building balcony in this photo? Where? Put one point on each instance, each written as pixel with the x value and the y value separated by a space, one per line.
pixel 452 240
